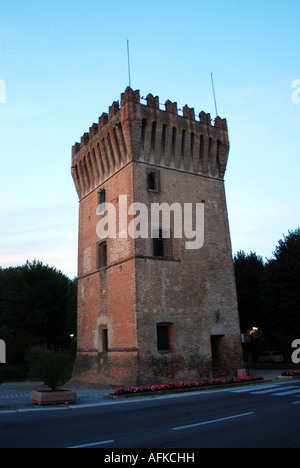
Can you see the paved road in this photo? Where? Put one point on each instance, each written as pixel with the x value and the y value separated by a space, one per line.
pixel 264 416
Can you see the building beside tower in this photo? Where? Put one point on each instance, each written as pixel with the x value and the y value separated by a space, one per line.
pixel 155 306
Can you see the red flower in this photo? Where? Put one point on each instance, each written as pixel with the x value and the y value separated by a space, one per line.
pixel 189 384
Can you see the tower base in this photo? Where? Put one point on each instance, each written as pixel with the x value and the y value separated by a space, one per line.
pixel 115 369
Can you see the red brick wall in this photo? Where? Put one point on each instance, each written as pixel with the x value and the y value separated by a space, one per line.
pixel 191 290
pixel 195 290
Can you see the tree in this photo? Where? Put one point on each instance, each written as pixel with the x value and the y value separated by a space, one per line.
pixel 50 365
pixel 281 298
pixel 249 273
pixel 37 306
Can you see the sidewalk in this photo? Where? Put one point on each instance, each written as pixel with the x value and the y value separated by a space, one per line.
pixel 15 396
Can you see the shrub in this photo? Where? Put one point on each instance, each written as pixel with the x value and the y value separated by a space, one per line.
pixel 49 365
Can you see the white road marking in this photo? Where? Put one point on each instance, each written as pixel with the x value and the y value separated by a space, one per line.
pixel 262 392
pixel 212 422
pixel 253 389
pixel 94 444
pixel 289 392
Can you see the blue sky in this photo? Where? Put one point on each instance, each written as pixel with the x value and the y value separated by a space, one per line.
pixel 64 62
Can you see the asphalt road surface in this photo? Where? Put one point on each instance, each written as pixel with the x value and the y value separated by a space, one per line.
pixel 245 417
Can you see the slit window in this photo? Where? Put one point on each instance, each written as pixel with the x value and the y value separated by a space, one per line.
pixel 102 255
pixel 102 197
pixel 162 244
pixel 103 339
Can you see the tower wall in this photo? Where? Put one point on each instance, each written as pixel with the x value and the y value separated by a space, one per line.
pixel 190 291
pixel 194 290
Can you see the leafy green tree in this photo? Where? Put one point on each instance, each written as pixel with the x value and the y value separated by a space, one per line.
pixel 269 294
pixel 37 306
pixel 249 273
pixel 52 366
pixel 281 296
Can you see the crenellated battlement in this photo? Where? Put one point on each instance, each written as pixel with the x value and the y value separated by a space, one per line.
pixel 143 129
pixel 152 102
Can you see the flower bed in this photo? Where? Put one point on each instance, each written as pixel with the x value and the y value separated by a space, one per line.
pixel 183 385
pixel 293 373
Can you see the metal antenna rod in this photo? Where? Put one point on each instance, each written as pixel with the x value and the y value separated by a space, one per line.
pixel 213 87
pixel 128 56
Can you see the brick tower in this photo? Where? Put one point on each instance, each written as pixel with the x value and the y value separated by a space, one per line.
pixel 149 309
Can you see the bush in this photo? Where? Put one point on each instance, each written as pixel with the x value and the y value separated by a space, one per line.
pixel 13 373
pixel 49 365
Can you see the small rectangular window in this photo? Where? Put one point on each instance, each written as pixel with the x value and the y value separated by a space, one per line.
pixel 158 246
pixel 153 181
pixel 102 255
pixel 162 244
pixel 165 337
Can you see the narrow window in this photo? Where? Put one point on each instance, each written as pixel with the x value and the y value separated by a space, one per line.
pixel 162 245
pixel 102 339
pixel 158 245
pixel 102 255
pixel 165 337
pixel 153 181
pixel 102 196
